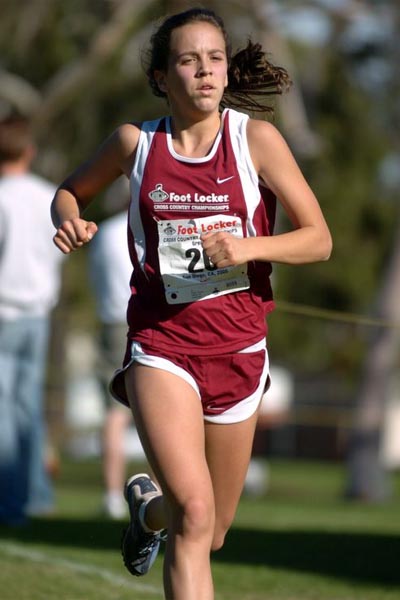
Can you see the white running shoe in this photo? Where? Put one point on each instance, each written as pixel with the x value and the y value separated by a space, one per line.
pixel 139 547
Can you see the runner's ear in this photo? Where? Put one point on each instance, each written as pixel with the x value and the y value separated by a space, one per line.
pixel 159 76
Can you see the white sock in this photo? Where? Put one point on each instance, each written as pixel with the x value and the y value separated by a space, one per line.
pixel 114 496
pixel 114 504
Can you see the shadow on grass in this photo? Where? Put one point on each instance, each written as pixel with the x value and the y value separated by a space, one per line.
pixel 367 558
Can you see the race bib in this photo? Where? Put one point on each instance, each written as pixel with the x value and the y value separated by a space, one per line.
pixel 188 274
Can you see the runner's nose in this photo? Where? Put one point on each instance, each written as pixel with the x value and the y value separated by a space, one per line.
pixel 204 68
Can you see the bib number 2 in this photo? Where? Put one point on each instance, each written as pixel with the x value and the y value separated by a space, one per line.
pixel 187 272
pixel 196 258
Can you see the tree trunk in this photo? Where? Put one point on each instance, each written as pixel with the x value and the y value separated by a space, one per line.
pixel 367 476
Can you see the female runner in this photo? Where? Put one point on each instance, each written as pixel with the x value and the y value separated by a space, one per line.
pixel 204 181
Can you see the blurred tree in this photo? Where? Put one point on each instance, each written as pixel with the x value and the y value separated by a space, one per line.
pixel 367 476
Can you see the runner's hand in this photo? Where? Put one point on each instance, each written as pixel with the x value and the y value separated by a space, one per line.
pixel 223 249
pixel 73 234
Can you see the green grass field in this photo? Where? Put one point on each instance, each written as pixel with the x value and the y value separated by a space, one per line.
pixel 301 541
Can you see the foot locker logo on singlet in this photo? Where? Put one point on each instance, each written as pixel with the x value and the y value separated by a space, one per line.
pixel 189 202
pixel 187 272
pixel 158 194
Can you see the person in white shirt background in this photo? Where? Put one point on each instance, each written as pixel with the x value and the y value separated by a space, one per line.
pixel 30 272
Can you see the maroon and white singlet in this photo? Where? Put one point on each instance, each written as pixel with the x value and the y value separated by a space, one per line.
pixel 180 301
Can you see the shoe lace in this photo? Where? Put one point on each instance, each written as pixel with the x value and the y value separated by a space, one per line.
pixel 150 541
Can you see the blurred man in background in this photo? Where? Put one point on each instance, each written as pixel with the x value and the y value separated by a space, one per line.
pixel 29 288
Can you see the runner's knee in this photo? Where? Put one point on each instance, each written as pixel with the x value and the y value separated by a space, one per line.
pixel 194 517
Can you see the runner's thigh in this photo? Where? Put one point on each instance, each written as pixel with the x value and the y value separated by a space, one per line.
pixel 168 416
pixel 228 449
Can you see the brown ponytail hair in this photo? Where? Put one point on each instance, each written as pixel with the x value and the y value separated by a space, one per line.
pixel 252 79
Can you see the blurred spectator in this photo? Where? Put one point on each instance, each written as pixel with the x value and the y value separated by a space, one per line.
pixel 110 272
pixel 29 285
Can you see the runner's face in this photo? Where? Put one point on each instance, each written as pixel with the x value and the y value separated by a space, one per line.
pixel 197 67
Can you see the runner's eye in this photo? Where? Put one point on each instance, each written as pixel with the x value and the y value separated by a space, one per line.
pixel 188 60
